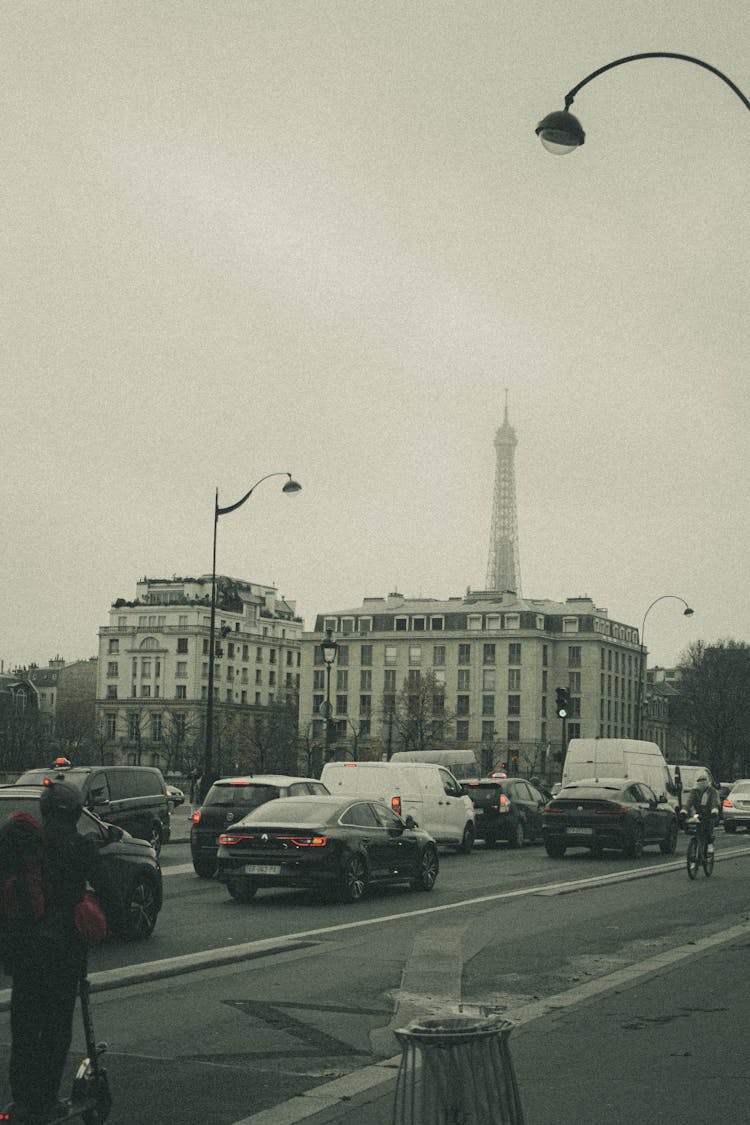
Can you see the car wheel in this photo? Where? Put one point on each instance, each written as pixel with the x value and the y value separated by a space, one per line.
pixel 204 868
pixel 155 837
pixel 354 879
pixel 555 851
pixel 428 870
pixel 467 840
pixel 669 846
pixel 141 909
pixel 517 836
pixel 634 850
pixel 730 828
pixel 242 890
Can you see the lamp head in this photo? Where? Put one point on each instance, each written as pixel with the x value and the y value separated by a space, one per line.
pixel 560 132
pixel 687 612
pixel 292 486
pixel 329 648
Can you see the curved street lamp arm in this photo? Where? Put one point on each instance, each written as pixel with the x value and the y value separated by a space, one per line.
pixel 233 507
pixel 569 97
pixel 653 603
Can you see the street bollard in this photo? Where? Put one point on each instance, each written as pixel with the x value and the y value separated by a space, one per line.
pixel 456 1071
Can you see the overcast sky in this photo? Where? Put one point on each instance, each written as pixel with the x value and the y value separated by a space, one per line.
pixel 320 236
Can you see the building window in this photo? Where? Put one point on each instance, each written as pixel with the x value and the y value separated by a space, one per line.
pixel 514 730
pixel 182 644
pixel 514 704
pixel 390 654
pixel 389 680
pixel 439 679
pixel 110 724
pixel 347 625
pixel 462 731
pixel 514 679
pixel 364 728
pixel 414 677
pixel 415 654
pixel 342 656
pixel 437 624
pixel 574 682
pixel 271 656
pixel 488 679
pixel 488 731
pixel 156 728
pixel 488 654
pixel 181 691
pixel 365 680
pixel 464 653
pixel 514 653
pixel 492 622
pixel 112 668
pixel 464 679
pixel 319 681
pixel 438 656
pixel 574 656
pixel 400 624
pixel 259 676
pixel 365 704
pixel 342 703
pixel 111 691
pixel 182 669
pixel 146 669
pixel 417 624
pixel 364 625
pixel 438 704
pixel 114 645
pixel 243 696
pixel 145 691
pixel 437 730
pixel 342 680
pixel 317 703
pixel 488 705
pixel 462 705
pixel 474 623
pixel 365 655
pixel 570 624
pixel 512 621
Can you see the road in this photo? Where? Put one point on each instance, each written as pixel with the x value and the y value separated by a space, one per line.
pixel 312 991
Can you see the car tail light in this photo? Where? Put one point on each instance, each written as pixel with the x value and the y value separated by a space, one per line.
pixel 613 810
pixel 727 803
pixel 196 816
pixel 240 783
pixel 307 841
pixel 229 838
pixel 396 805
pixel 551 809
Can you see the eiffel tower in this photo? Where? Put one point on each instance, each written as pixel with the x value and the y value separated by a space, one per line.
pixel 503 567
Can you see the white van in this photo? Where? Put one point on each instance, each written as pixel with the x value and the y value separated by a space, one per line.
pixel 619 757
pixel 425 791
pixel 461 763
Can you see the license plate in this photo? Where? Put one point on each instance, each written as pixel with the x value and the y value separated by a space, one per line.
pixel 579 831
pixel 262 869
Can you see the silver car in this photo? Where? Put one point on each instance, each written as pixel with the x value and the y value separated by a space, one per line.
pixel 736 806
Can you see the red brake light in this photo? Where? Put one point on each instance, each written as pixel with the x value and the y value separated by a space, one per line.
pixel 307 841
pixel 727 803
pixel 614 810
pixel 229 838
pixel 239 782
pixel 350 765
pixel 396 805
pixel 196 816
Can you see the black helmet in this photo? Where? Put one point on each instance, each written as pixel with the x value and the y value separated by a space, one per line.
pixel 60 797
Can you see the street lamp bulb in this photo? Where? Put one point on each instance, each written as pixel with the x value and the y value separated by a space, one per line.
pixel 687 612
pixel 560 132
pixel 292 486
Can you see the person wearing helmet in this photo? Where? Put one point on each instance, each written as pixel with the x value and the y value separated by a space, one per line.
pixel 48 959
pixel 703 802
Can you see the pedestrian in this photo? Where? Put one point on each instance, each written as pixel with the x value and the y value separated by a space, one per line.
pixel 195 781
pixel 42 950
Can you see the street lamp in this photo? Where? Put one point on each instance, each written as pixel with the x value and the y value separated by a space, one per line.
pixel 560 132
pixel 329 650
pixel 687 612
pixel 291 486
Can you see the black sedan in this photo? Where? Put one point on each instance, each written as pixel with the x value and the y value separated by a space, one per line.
pixel 341 846
pixel 132 891
pixel 616 814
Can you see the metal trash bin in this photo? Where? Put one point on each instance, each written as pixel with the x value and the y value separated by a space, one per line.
pixel 456 1071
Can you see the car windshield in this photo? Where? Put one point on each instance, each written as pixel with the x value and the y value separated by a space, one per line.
pixel 243 796
pixel 9 805
pixel 483 794
pixel 740 787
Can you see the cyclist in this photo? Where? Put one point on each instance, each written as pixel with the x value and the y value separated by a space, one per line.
pixel 703 802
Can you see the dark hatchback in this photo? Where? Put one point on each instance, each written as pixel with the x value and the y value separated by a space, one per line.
pixel 132 892
pixel 231 798
pixel 616 814
pixel 341 846
pixel 508 808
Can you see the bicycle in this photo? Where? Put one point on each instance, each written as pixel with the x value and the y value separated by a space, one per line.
pixel 698 854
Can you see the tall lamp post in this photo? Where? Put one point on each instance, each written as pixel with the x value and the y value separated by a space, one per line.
pixel 290 486
pixel 329 650
pixel 687 612
pixel 560 132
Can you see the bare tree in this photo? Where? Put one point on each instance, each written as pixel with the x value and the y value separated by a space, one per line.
pixel 713 705
pixel 420 719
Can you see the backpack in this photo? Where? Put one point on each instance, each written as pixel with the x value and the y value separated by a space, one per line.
pixel 21 885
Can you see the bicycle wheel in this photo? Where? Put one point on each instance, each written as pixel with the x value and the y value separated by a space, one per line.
pixel 692 857
pixel 707 860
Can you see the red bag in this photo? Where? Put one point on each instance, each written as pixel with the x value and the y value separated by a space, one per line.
pixel 90 920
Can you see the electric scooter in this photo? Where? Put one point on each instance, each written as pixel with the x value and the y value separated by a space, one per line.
pixel 90 1097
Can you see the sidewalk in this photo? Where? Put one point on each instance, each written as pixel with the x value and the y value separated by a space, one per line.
pixel 666 1047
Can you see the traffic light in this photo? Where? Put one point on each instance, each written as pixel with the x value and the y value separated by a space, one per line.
pixel 562 704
